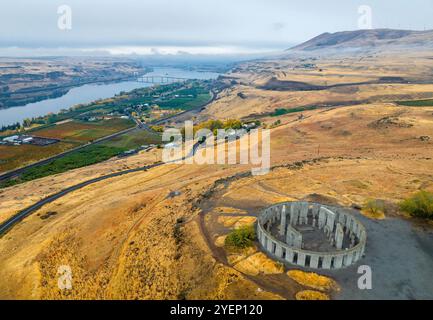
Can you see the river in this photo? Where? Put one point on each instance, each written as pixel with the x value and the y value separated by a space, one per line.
pixel 90 92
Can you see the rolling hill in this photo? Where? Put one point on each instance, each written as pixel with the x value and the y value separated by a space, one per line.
pixel 368 39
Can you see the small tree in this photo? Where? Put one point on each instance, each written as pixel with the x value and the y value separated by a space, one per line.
pixel 419 205
pixel 240 238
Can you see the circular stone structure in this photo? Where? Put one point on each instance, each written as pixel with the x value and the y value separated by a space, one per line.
pixel 311 235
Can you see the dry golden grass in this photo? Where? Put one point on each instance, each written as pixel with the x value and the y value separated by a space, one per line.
pixel 18 197
pixel 311 295
pixel 379 215
pixel 224 210
pixel 313 280
pixel 259 263
pixel 219 241
pixel 236 222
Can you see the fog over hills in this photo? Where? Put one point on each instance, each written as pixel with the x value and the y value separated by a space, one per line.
pixel 368 39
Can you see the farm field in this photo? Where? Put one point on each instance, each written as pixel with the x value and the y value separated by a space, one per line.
pixel 185 103
pixel 133 139
pixel 12 157
pixel 417 103
pixel 84 131
pixel 73 134
pixel 81 158
pixel 87 156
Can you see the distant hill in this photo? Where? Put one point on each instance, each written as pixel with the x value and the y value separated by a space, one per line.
pixel 368 39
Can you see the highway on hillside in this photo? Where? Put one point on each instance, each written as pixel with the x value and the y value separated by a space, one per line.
pixel 9 223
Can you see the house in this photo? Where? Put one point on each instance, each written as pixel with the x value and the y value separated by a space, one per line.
pixel 11 139
pixel 26 139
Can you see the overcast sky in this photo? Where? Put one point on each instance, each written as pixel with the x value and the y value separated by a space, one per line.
pixel 194 26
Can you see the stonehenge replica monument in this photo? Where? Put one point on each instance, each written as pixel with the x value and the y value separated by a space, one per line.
pixel 311 235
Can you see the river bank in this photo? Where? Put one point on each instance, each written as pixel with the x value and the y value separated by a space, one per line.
pixel 90 92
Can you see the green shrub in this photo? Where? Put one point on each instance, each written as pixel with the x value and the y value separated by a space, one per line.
pixel 282 111
pixel 417 103
pixel 84 157
pixel 241 238
pixel 374 206
pixel 419 205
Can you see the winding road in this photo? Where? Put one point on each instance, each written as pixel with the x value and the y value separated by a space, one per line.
pixel 9 223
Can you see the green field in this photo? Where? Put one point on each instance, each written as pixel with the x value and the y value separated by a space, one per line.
pixel 12 157
pixel 416 103
pixel 134 139
pixel 281 112
pixel 185 103
pixel 72 134
pixel 84 157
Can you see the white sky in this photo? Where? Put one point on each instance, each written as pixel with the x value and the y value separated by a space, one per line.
pixel 193 26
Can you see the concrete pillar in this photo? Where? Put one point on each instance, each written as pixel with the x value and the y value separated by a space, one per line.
pixel 326 231
pixel 278 251
pixel 294 213
pixel 297 242
pixel 293 237
pixel 315 210
pixel 301 259
pixel 352 240
pixel 289 235
pixel 289 255
pixel 363 250
pixel 326 263
pixel 357 254
pixel 330 220
pixel 339 236
pixel 262 236
pixel 314 261
pixel 269 246
pixel 348 224
pixel 303 215
pixel 283 221
pixel 341 217
pixel 322 217
pixel 274 214
pixel 355 227
pixel 338 261
pixel 347 260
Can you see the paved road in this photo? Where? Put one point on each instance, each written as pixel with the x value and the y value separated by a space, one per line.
pixel 5 226
pixel 399 254
pixel 8 224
